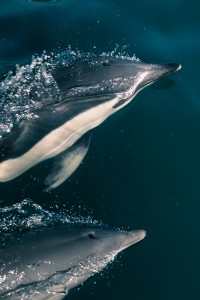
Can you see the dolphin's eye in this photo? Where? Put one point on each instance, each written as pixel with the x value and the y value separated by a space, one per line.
pixel 91 235
pixel 106 63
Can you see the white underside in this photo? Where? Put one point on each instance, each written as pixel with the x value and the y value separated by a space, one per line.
pixel 56 141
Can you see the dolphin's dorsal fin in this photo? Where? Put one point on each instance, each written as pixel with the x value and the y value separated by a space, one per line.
pixel 67 162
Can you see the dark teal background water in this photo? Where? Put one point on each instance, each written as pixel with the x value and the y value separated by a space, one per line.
pixel 143 167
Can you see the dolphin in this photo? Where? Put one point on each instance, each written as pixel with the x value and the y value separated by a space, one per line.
pixel 91 89
pixel 46 264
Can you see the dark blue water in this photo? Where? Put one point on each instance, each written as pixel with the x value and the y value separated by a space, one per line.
pixel 143 167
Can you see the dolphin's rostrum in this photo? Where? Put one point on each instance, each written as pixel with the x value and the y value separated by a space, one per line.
pixel 90 90
pixel 48 263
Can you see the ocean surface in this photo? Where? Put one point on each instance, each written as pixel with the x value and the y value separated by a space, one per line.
pixel 142 170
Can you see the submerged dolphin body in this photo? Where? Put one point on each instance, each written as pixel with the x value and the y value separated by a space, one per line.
pixel 90 90
pixel 48 263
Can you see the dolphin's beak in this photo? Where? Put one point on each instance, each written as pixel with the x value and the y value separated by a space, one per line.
pixel 155 72
pixel 161 70
pixel 133 237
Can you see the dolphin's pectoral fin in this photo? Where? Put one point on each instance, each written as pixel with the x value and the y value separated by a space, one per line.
pixel 67 162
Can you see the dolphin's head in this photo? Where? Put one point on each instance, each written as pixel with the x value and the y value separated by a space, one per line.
pixel 113 77
pixel 84 244
pixel 110 241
